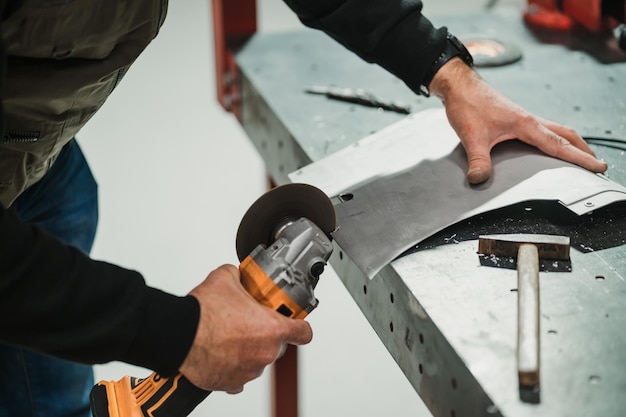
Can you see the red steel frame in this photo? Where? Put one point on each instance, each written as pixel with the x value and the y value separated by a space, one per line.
pixel 234 21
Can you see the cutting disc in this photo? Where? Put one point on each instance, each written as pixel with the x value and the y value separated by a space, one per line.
pixel 284 202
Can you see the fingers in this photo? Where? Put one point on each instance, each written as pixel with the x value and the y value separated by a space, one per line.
pixel 564 143
pixel 569 134
pixel 235 391
pixel 237 337
pixel 479 169
pixel 479 162
pixel 299 332
pixel 226 272
pixel 230 271
pixel 295 332
pixel 552 138
pixel 568 152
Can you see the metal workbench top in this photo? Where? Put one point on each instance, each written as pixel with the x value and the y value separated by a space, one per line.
pixel 450 323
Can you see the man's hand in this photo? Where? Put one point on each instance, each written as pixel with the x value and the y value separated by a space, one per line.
pixel 237 337
pixel 482 117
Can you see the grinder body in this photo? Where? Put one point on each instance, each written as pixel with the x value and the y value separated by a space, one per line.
pixel 284 275
pixel 281 276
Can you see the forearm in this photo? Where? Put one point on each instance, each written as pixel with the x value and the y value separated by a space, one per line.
pixel 390 33
pixel 56 300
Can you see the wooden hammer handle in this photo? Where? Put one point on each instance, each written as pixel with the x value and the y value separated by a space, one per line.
pixel 528 315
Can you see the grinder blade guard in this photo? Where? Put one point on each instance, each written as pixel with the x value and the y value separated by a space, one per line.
pixel 284 243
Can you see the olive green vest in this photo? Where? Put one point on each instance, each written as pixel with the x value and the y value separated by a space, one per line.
pixel 64 57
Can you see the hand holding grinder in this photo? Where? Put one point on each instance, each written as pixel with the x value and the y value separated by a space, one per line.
pixel 283 244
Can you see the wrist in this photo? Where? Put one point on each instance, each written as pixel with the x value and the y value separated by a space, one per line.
pixel 454 51
pixel 454 75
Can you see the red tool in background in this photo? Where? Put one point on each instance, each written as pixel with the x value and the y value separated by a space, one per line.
pixel 597 16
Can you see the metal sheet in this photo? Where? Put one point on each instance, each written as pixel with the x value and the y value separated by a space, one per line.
pixel 406 182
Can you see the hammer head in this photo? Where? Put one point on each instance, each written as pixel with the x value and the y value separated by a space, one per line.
pixel 548 246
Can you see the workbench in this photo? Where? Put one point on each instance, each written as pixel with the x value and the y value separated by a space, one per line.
pixel 450 323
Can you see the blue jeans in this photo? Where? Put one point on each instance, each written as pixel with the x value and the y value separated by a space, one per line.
pixel 65 203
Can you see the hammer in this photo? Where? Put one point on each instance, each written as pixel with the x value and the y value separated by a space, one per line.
pixel 528 249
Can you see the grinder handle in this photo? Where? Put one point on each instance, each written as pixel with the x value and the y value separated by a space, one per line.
pixel 153 396
pixel 156 396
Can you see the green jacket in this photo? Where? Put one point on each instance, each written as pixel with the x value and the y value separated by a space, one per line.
pixel 64 58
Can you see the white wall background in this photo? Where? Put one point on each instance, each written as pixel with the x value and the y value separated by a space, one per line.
pixel 176 173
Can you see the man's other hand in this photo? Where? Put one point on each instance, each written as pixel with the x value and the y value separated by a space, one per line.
pixel 483 117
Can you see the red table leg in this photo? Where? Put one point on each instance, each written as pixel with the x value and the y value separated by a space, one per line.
pixel 285 384
pixel 234 21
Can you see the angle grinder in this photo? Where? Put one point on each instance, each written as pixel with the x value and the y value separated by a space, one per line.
pixel 283 243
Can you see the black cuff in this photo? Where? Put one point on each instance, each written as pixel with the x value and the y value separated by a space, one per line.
pixel 166 334
pixel 454 48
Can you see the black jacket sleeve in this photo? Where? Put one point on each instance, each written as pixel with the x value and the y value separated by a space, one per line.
pixel 391 33
pixel 56 300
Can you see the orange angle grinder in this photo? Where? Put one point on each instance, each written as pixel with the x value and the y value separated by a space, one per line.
pixel 283 243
